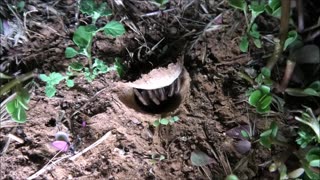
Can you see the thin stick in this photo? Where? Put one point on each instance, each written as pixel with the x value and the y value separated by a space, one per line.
pixel 106 136
pixel 48 166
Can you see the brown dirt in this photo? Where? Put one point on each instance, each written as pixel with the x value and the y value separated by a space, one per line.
pixel 215 104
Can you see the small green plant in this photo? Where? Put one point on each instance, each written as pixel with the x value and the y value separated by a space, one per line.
pixel 83 39
pixel 18 106
pixel 255 8
pixel 309 119
pixel 312 90
pixel 160 3
pixel 261 99
pixel 308 153
pixel 165 121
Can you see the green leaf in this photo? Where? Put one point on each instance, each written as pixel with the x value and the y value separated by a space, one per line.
pixel 119 67
pixel 274 129
pixel 161 2
pixel 254 98
pixel 70 52
pixel 232 177
pixel 164 121
pixel 265 141
pixel 114 28
pixel 265 89
pixel 20 6
pixel 313 154
pixel 76 66
pixel 244 134
pixel 175 118
pixel 44 77
pixel 70 83
pixel 11 106
pixel 238 4
pixel 156 123
pixel 244 44
pixel 263 110
pixel 310 92
pixel 199 158
pixel 94 10
pixel 50 91
pixel 21 116
pixel 274 8
pixel 23 98
pixel 16 112
pixel 257 43
pixel 83 35
pixel 254 31
pixel 266 72
pixel 315 163
pixel 315 85
pixel 266 133
pixel 256 9
pixel 292 36
pixel 265 102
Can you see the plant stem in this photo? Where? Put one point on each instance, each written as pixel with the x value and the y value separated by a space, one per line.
pixel 287 75
pixel 246 17
pixel 284 26
pixel 16 81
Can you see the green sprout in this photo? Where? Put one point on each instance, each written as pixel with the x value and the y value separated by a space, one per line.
pixel 261 99
pixel 165 121
pixel 160 3
pixel 52 80
pixel 269 137
pixel 312 90
pixel 18 106
pixel 83 39
pixel 309 119
pixel 255 8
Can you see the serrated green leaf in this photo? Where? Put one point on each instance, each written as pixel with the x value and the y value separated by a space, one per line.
pixel 76 66
pixel 238 4
pixel 254 98
pixel 70 52
pixel 164 121
pixel 70 83
pixel 50 91
pixel 54 78
pixel 83 35
pixel 244 44
pixel 114 28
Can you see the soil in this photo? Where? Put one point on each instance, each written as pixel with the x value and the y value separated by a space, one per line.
pixel 214 101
